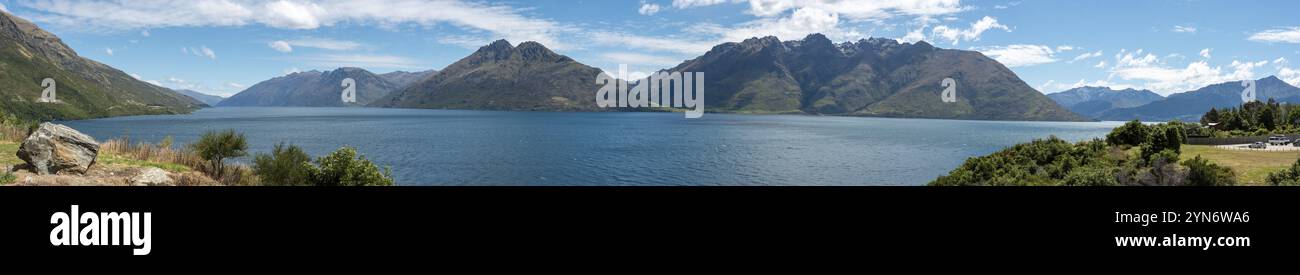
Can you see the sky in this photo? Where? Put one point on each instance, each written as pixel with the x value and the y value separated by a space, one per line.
pixel 223 46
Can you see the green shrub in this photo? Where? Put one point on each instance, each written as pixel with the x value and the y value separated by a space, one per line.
pixel 1288 177
pixel 345 168
pixel 1132 133
pixel 8 178
pixel 1204 173
pixel 216 147
pixel 1092 176
pixel 286 166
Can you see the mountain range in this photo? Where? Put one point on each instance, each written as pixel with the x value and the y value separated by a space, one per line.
pixel 876 77
pixel 501 76
pixel 83 88
pixel 210 100
pixel 1189 106
pixel 870 77
pixel 321 89
pixel 1092 101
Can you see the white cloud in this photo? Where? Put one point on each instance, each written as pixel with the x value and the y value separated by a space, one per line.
pixel 802 22
pixel 640 60
pixel 3 8
pixel 913 36
pixel 1154 74
pixel 293 70
pixel 859 9
pixel 972 34
pixel 1287 35
pixel 1205 52
pixel 280 46
pixel 293 15
pixel 500 20
pixel 682 4
pixel 1184 29
pixel 144 33
pixel 1020 55
pixel 136 76
pixel 1081 57
pixel 670 44
pixel 1100 65
pixel 201 51
pixel 235 85
pixel 648 9
pixel 325 43
pixel 1290 75
pixel 109 51
pixel 155 83
pixel 1064 48
pixel 1046 85
pixel 363 61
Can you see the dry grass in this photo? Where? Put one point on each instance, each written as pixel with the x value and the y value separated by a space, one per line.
pixel 1252 167
pixel 176 160
pixel 13 133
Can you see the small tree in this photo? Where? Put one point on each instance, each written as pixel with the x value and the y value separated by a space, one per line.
pixel 1203 173
pixel 345 168
pixel 286 165
pixel 1132 133
pixel 1210 117
pixel 1287 177
pixel 216 147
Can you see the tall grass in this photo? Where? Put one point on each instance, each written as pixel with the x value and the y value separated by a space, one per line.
pixel 230 174
pixel 14 132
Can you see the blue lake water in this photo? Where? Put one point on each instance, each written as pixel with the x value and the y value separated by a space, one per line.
pixel 451 147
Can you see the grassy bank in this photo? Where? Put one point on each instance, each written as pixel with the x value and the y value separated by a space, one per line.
pixel 1252 167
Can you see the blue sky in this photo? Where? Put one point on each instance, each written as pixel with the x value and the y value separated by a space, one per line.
pixel 223 46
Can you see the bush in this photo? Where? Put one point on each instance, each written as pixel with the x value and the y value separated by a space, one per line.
pixel 1092 176
pixel 1132 133
pixel 289 165
pixel 345 168
pixel 1204 173
pixel 285 166
pixel 1288 177
pixel 8 178
pixel 216 147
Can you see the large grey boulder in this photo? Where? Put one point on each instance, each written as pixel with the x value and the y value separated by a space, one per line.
pixel 58 149
pixel 151 176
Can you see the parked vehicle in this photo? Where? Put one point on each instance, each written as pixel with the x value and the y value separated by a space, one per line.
pixel 1258 145
pixel 1278 140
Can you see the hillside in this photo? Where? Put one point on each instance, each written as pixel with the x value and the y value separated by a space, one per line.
pixel 313 89
pixel 1092 101
pixel 870 77
pixel 501 76
pixel 1189 106
pixel 210 100
pixel 84 88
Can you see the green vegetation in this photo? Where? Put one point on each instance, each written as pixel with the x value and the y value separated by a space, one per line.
pixel 9 154
pixel 1287 177
pixel 7 177
pixel 285 166
pixel 1254 119
pixel 1113 162
pixel 1252 167
pixel 216 147
pixel 84 88
pixel 108 158
pixel 291 166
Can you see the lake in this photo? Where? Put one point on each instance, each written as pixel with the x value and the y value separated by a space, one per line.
pixel 455 147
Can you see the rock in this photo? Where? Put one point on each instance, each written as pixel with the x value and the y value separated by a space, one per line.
pixel 58 149
pixel 151 176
